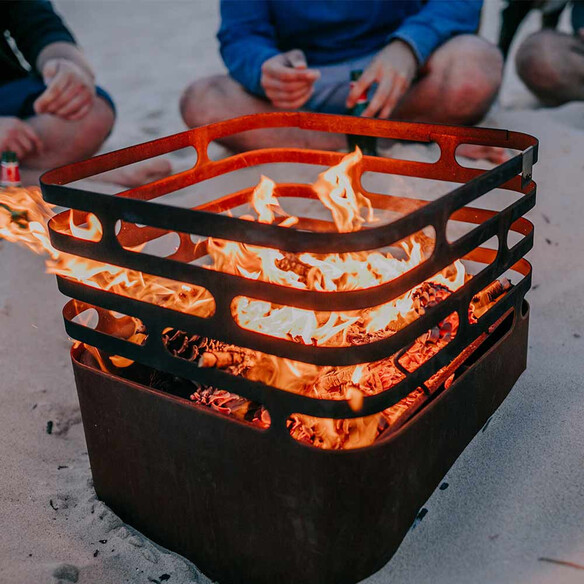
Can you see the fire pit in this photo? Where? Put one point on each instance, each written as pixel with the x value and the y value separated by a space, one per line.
pixel 200 433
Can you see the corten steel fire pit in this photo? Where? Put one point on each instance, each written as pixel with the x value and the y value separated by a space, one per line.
pixel 250 505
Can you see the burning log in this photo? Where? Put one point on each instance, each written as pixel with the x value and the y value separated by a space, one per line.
pixel 291 263
pixel 221 359
pixel 335 382
pixel 492 292
pixel 482 301
pixel 429 294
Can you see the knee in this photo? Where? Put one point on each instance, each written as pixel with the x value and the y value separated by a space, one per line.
pixel 475 78
pixel 196 102
pixel 96 126
pixel 538 66
pixel 71 141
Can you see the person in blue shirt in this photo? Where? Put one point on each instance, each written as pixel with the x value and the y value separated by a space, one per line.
pixel 421 61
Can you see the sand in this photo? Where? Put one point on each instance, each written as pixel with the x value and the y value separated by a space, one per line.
pixel 514 496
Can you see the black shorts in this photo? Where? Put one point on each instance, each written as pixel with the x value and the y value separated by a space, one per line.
pixel 17 97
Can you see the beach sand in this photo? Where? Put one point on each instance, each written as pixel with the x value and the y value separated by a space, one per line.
pixel 515 495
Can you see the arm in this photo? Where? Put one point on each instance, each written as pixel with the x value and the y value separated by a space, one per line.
pixel 247 38
pixel 249 50
pixel 395 66
pixel 34 25
pixel 49 47
pixel 65 51
pixel 437 22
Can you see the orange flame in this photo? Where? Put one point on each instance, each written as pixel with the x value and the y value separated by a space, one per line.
pixel 323 272
pixel 24 216
pixel 23 219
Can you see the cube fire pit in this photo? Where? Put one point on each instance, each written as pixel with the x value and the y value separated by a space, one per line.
pixel 195 435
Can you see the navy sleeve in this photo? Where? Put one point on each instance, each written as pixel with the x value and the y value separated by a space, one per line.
pixel 437 22
pixel 33 24
pixel 247 38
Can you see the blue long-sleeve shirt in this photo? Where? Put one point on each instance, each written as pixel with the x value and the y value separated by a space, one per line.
pixel 333 31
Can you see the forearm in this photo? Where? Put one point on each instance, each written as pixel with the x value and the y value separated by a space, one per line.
pixel 247 38
pixel 245 65
pixel 66 51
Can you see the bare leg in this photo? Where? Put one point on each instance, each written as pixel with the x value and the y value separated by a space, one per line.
pixel 458 85
pixel 219 98
pixel 70 141
pixel 551 64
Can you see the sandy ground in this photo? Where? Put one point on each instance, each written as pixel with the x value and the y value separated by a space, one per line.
pixel 515 495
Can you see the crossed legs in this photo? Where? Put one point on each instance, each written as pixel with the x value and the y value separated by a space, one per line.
pixel 457 86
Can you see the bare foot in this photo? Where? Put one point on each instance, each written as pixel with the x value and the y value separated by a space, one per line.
pixel 137 174
pixel 478 152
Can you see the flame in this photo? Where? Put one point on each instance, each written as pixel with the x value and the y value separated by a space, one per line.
pixel 92 232
pixel 323 272
pixel 24 217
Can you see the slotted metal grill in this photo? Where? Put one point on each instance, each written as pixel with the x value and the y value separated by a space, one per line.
pixel 288 553
pixel 139 206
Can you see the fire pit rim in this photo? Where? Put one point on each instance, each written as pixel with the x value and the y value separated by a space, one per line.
pixel 498 224
pixel 523 314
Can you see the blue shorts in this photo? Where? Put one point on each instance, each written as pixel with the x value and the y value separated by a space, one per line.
pixel 17 97
pixel 332 88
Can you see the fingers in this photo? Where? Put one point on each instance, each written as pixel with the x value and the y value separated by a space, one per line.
pixel 379 98
pixel 62 99
pixel 81 112
pixel 293 104
pixel 50 70
pixel 290 95
pixel 287 81
pixel 288 74
pixel 281 96
pixel 69 91
pixel 55 88
pixel 399 88
pixel 391 88
pixel 291 100
pixel 388 94
pixel 362 85
pixel 275 85
pixel 278 69
pixel 33 137
pixel 19 148
pixel 22 140
pixel 497 155
pixel 71 107
pixel 296 59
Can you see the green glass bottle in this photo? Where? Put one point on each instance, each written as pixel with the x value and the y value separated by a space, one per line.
pixel 367 144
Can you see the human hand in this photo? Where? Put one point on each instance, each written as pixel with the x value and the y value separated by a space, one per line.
pixel 70 90
pixel 19 137
pixel 287 81
pixel 393 68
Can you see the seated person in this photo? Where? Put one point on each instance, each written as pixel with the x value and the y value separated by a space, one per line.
pixel 421 62
pixel 51 112
pixel 515 12
pixel 551 63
